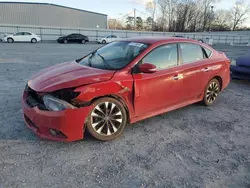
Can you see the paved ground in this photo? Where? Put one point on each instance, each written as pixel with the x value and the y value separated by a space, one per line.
pixel 195 146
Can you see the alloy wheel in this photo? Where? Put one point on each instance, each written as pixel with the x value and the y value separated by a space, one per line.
pixel 106 118
pixel 212 92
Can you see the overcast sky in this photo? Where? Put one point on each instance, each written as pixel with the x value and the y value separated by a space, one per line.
pixel 115 8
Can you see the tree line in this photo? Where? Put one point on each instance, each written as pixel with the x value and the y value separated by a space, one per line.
pixel 187 16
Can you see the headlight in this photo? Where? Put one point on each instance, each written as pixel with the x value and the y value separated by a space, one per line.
pixel 55 104
pixel 233 62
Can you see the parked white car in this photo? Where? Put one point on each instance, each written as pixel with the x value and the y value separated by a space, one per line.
pixel 22 37
pixel 108 39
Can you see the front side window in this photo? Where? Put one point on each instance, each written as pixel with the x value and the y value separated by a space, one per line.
pixel 108 37
pixel 163 57
pixel 114 56
pixel 191 53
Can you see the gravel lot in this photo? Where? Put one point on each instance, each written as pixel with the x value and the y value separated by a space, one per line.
pixel 195 146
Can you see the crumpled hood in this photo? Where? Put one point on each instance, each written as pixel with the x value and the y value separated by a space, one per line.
pixel 67 75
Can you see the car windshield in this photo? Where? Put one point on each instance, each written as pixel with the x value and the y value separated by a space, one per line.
pixel 114 56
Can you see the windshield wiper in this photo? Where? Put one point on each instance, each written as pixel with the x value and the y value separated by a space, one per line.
pixel 105 62
pixel 89 60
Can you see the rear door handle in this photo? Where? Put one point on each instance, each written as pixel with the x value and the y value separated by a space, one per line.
pixel 206 69
pixel 177 77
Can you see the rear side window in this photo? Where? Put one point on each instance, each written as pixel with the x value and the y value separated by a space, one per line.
pixel 191 52
pixel 163 57
pixel 25 33
pixel 20 33
pixel 208 52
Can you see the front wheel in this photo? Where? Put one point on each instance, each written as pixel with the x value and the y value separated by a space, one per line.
pixel 107 119
pixel 65 41
pixel 10 40
pixel 212 91
pixel 104 42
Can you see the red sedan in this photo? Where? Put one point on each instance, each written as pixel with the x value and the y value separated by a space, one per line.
pixel 120 83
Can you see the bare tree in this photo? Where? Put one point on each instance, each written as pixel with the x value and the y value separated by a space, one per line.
pixel 115 24
pixel 168 9
pixel 195 15
pixel 239 12
pixel 207 13
pixel 223 17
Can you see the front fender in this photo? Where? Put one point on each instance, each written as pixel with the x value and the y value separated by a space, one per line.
pixel 121 89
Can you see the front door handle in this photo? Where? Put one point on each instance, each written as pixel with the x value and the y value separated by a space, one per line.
pixel 205 69
pixel 177 77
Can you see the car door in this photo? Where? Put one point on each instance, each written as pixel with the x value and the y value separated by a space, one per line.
pixel 79 38
pixel 155 91
pixel 71 38
pixel 195 68
pixel 27 37
pixel 109 39
pixel 18 37
pixel 114 38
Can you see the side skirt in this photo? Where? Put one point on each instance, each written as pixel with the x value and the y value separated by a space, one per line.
pixel 161 111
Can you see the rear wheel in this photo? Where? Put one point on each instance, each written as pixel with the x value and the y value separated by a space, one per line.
pixel 33 40
pixel 83 41
pixel 107 119
pixel 10 40
pixel 212 91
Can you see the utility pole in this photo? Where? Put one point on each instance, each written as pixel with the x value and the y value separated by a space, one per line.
pixel 211 17
pixel 134 19
pixel 154 9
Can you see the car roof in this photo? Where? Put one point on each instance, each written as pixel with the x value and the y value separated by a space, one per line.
pixel 23 32
pixel 153 40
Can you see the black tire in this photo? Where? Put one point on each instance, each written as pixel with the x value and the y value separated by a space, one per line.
pixel 83 41
pixel 65 41
pixel 104 42
pixel 33 40
pixel 10 40
pixel 106 128
pixel 212 92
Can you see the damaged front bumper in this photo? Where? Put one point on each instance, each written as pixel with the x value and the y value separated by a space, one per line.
pixel 66 125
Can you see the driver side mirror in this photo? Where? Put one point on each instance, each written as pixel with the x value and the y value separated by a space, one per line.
pixel 147 68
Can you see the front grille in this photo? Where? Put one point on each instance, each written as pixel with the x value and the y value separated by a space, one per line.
pixel 34 99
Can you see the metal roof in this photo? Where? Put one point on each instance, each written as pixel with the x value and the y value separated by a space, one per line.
pixel 51 4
